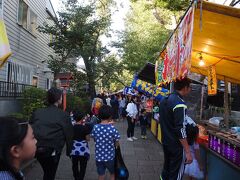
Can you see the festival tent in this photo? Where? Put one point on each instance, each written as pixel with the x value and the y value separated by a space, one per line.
pixel 149 89
pixel 215 41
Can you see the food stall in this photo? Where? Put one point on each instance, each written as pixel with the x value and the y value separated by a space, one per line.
pixel 145 82
pixel 207 42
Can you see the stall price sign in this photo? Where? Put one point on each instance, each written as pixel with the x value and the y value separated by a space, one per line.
pixel 212 80
pixel 225 148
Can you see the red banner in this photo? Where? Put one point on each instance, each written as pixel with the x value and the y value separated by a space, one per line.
pixel 177 55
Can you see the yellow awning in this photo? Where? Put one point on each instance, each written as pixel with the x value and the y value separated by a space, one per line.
pixel 218 41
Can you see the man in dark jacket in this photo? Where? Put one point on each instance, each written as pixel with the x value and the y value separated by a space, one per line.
pixel 172 121
pixel 52 129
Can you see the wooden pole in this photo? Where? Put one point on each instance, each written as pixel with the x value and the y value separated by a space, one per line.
pixel 64 99
pixel 201 108
pixel 226 104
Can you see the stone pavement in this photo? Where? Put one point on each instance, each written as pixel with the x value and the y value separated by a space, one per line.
pixel 143 158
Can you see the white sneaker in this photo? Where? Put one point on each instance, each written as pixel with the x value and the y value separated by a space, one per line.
pixel 129 139
pixel 134 138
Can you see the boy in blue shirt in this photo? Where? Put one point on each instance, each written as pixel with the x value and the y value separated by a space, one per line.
pixel 106 137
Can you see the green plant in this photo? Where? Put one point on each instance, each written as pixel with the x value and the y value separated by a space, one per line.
pixel 33 98
pixel 77 103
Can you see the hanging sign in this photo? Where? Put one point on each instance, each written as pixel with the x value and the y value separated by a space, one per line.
pixel 185 43
pixel 177 55
pixel 149 89
pixel 159 71
pixel 212 80
pixel 5 51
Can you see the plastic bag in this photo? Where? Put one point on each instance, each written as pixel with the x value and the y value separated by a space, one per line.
pixel 121 171
pixel 215 120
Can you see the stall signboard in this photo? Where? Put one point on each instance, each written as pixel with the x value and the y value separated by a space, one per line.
pixel 129 90
pixel 149 89
pixel 5 51
pixel 177 55
pixel 225 148
pixel 185 43
pixel 158 71
pixel 212 81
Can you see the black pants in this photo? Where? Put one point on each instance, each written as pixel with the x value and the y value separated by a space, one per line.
pixel 174 160
pixel 143 130
pixel 79 173
pixel 131 126
pixel 149 118
pixel 49 166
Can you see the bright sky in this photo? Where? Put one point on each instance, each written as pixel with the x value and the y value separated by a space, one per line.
pixel 118 15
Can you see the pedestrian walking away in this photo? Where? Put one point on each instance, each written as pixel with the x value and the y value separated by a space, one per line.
pixel 96 104
pixel 115 106
pixel 106 137
pixel 175 146
pixel 80 151
pixel 52 128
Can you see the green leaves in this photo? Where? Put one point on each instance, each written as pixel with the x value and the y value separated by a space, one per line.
pixel 77 34
pixel 143 38
pixel 33 98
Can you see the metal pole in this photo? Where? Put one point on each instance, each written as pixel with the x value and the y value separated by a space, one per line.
pixel 171 87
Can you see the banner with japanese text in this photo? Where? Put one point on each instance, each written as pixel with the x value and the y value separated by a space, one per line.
pixel 212 81
pixel 158 71
pixel 177 54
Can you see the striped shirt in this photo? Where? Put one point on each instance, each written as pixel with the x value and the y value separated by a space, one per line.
pixel 6 175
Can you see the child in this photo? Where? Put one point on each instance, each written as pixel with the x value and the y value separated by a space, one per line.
pixel 105 136
pixel 143 123
pixel 17 145
pixel 193 170
pixel 80 151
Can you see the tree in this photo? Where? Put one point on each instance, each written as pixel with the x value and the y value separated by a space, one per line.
pixel 148 26
pixel 77 33
pixel 142 39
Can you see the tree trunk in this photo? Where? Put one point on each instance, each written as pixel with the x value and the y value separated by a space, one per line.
pixel 91 85
pixel 90 78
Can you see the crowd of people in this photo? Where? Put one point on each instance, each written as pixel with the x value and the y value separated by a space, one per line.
pixel 50 129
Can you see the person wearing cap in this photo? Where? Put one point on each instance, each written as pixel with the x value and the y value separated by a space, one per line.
pixel 17 145
pixel 53 129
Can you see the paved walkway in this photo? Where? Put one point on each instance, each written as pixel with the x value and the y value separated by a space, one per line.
pixel 143 158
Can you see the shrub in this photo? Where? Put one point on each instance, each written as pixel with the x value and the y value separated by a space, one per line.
pixel 33 98
pixel 77 103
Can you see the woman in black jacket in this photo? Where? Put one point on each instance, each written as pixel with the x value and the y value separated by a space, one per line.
pixel 52 129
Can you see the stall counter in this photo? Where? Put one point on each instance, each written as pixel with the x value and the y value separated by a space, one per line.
pixel 154 126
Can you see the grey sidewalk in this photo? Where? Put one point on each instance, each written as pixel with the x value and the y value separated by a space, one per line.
pixel 143 158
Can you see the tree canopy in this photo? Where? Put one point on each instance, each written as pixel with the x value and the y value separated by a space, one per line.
pixel 76 34
pixel 148 26
pixel 78 30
